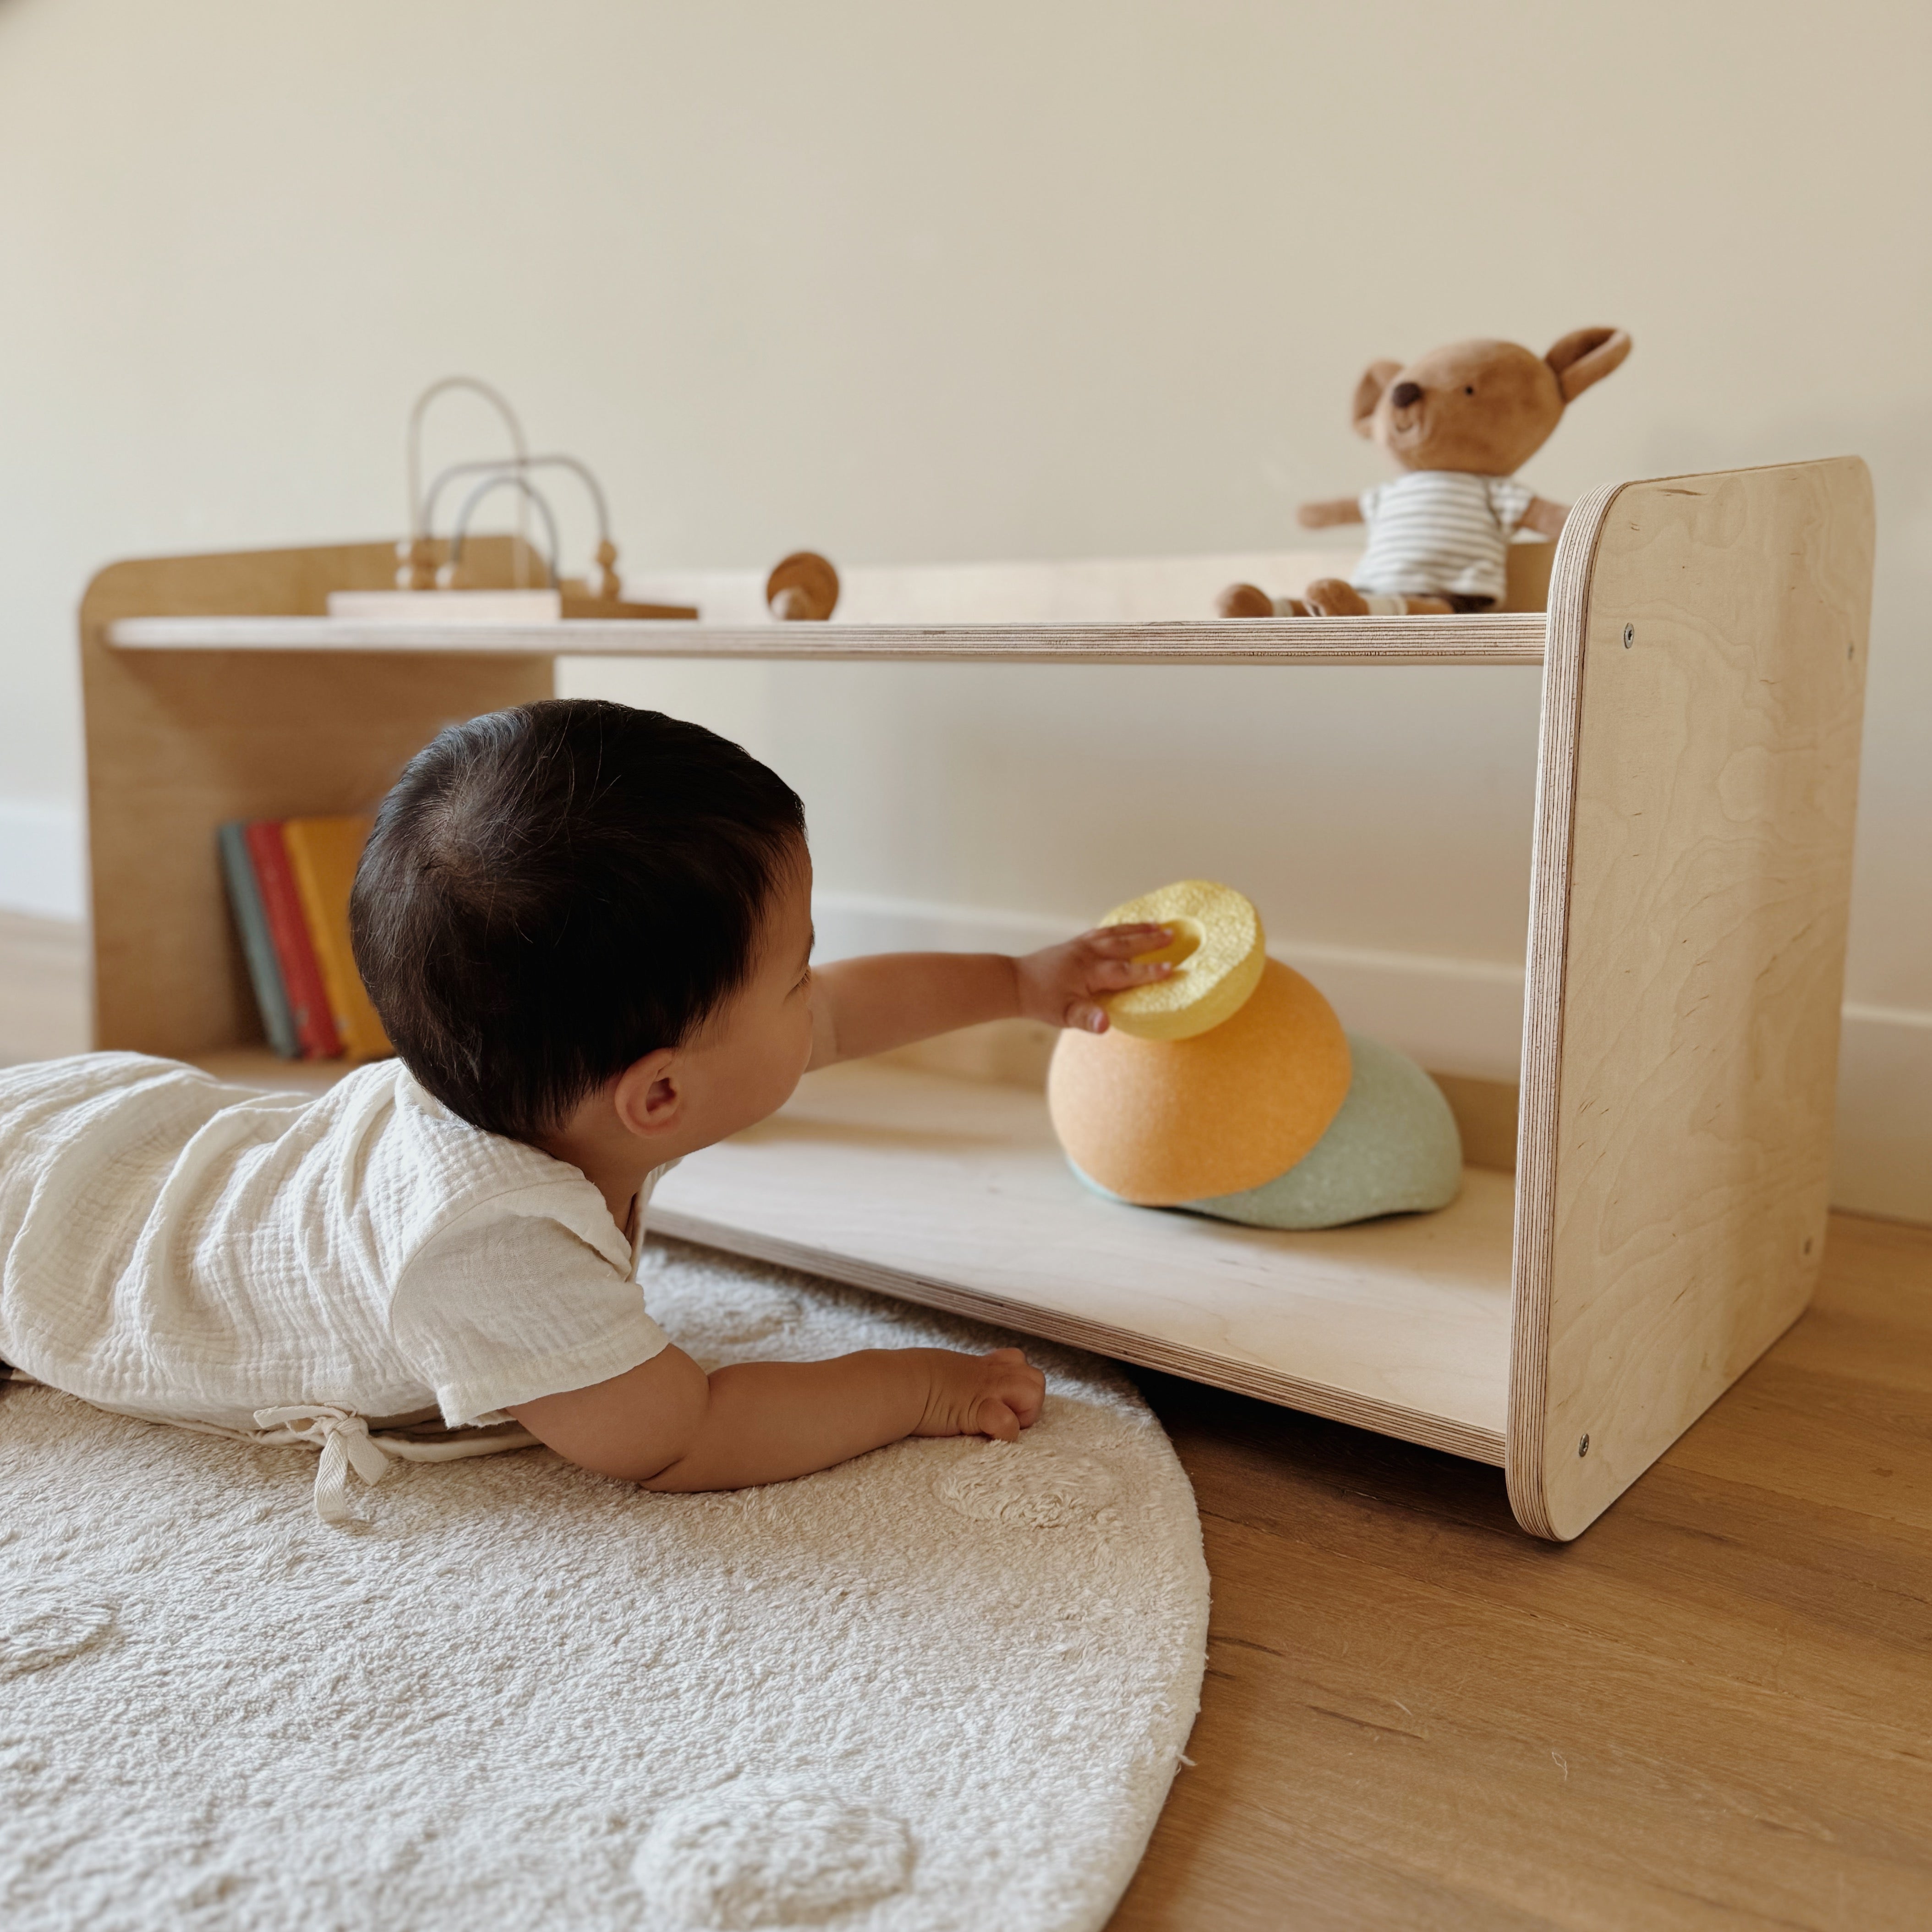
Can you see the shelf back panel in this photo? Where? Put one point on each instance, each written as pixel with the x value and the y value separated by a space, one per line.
pixel 178 742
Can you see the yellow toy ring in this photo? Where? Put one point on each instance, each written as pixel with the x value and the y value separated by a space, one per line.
pixel 1218 951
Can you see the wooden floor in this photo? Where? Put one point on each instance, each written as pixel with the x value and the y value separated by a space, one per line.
pixel 1714 1710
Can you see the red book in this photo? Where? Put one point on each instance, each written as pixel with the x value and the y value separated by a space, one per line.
pixel 281 903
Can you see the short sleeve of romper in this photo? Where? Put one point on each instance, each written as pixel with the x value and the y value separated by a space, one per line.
pixel 510 1302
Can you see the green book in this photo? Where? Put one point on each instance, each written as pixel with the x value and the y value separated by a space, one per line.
pixel 265 970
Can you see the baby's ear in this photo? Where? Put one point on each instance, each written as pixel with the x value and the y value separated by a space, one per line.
pixel 1375 379
pixel 1586 355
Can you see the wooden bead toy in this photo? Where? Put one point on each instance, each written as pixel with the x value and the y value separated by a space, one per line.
pixel 802 588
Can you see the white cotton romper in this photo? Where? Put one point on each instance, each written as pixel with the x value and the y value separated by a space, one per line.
pixel 293 1268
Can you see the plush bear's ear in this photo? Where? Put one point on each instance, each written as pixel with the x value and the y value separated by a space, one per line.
pixel 1375 379
pixel 1586 355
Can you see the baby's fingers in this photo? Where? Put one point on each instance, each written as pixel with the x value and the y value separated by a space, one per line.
pixel 1109 975
pixel 1121 941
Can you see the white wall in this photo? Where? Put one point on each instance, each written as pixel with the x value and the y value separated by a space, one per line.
pixel 1003 281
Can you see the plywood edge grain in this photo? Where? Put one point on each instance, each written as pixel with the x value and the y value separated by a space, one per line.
pixel 1569 604
pixel 1434 1432
pixel 1515 638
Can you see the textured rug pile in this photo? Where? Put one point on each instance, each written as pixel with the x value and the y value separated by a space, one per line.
pixel 944 1686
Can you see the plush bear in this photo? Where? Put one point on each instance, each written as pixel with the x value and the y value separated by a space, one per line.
pixel 1461 421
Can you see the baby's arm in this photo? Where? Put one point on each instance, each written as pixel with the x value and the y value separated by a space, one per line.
pixel 667 1425
pixel 862 1007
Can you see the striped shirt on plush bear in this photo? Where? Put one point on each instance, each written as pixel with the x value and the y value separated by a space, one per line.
pixel 1440 531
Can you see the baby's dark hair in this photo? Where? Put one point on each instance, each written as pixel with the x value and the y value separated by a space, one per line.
pixel 553 892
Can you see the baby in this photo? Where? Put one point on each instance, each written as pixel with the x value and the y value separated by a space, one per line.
pixel 588 930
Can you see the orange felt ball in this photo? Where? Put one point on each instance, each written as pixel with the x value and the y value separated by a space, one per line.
pixel 1163 1121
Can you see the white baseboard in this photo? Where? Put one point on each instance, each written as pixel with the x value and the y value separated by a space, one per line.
pixel 1884 1153
pixel 43 866
pixel 1465 1016
pixel 1457 1016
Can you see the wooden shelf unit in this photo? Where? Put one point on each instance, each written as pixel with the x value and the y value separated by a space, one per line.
pixel 1703 655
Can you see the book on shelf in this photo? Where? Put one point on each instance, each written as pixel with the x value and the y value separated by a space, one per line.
pixel 323 854
pixel 302 978
pixel 258 943
pixel 288 881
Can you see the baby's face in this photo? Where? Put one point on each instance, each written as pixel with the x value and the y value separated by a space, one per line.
pixel 752 1051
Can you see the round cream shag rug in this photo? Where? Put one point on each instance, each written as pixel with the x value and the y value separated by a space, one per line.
pixel 944 1686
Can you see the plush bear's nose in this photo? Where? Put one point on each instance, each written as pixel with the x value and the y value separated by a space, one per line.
pixel 1404 395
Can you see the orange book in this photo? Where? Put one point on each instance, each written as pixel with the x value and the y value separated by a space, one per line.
pixel 323 853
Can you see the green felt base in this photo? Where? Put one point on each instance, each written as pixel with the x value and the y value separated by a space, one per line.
pixel 1393 1149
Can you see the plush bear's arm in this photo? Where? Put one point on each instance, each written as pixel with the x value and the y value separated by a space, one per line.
pixel 1545 517
pixel 1321 516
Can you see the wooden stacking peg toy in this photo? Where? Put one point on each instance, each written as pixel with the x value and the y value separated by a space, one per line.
pixel 602 581
pixel 416 563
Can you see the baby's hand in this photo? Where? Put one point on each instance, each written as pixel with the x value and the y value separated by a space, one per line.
pixel 996 1395
pixel 1060 985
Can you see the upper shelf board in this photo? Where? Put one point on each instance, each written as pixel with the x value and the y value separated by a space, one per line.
pixel 1508 638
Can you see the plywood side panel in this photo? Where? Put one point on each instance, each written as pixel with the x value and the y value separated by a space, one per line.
pixel 1703 698
pixel 178 742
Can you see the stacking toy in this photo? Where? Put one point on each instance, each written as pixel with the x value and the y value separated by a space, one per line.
pixel 1392 1149
pixel 1217 951
pixel 1230 1089
pixel 1162 1122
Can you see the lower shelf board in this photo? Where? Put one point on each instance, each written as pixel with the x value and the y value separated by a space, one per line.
pixel 953 1193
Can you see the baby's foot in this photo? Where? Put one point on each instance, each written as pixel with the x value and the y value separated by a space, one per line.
pixel 996 1395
